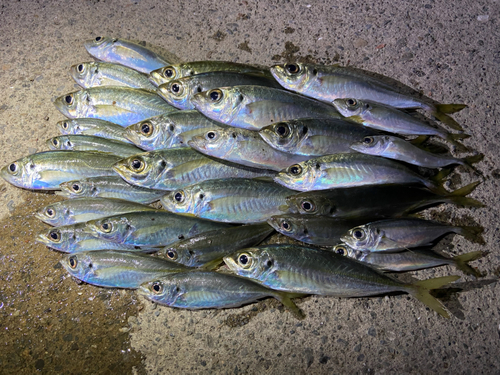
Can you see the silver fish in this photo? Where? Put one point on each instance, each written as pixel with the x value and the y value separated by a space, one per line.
pixel 92 143
pixel 121 105
pixel 94 127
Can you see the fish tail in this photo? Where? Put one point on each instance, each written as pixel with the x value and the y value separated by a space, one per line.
pixel 441 112
pixel 469 160
pixel 462 260
pixel 286 300
pixel 421 291
pixel 459 196
pixel 453 139
pixel 436 182
pixel 472 233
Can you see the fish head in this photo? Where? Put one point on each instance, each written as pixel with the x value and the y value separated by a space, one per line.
pixel 54 214
pixel 114 228
pixel 78 188
pixel 362 237
pixel 347 251
pixel 372 145
pixel 85 74
pixel 165 74
pixel 311 205
pixel 215 142
pixel 166 290
pixel 184 201
pixel 294 76
pixel 142 169
pixel 148 134
pixel 61 142
pixel 99 46
pixel 69 126
pixel 289 226
pixel 179 255
pixel 60 238
pixel 178 92
pixel 299 176
pixel 221 104
pixel 349 107
pixel 24 173
pixel 74 104
pixel 285 135
pixel 253 263
pixel 80 265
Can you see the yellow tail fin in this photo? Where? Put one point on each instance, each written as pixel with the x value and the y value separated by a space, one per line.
pixel 420 290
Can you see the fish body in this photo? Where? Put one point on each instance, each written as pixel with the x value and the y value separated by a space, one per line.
pixel 169 130
pixel 398 234
pixel 148 229
pixel 46 170
pixel 179 92
pixel 298 269
pixel 242 146
pixel 109 187
pixel 95 73
pixel 79 210
pixel 121 105
pixel 313 137
pixel 125 52
pixel 167 74
pixel 117 269
pixel 92 143
pixel 175 168
pixel 208 249
pixel 253 107
pixel 93 127
pixel 231 200
pixel 347 170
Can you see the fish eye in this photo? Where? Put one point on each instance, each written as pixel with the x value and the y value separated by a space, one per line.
pixel 282 129
pixel 359 234
pixel 69 99
pixel 76 187
pixel 65 125
pixel 98 39
pixel 295 169
pixel 293 68
pixel 73 262
pixel 215 95
pixel 169 73
pixel 286 226
pixel 80 68
pixel 179 196
pixel 13 168
pixel 341 250
pixel 171 127
pixel 106 227
pixel 308 206
pixel 368 140
pixel 156 287
pixel 172 254
pixel 211 135
pixel 146 128
pixel 137 165
pixel 176 88
pixel 351 102
pixel 55 235
pixel 50 212
pixel 55 142
pixel 245 260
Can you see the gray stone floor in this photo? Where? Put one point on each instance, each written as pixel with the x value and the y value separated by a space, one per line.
pixel 450 51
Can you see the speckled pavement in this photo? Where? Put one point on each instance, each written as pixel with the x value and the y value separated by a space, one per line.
pixel 448 51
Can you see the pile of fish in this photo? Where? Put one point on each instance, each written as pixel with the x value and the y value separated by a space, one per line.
pixel 333 157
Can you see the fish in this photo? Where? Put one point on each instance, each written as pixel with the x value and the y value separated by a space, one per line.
pixel 210 290
pixel 179 92
pixel 121 105
pixel 314 137
pixel 150 228
pixel 351 170
pixel 244 147
pixel 168 73
pixel 93 127
pixel 175 168
pixel 230 200
pixel 79 210
pixel 126 53
pixel 392 120
pixel 95 74
pixel 297 269
pixel 311 229
pixel 117 269
pixel 75 238
pixel 392 235
pixel 109 187
pixel 375 202
pixel 398 149
pixel 207 249
pixel 327 83
pixel 47 170
pixel 170 130
pixel 92 143
pixel 253 107
pixel 413 260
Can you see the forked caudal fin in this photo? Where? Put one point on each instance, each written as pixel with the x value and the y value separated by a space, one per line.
pixel 441 112
pixel 462 260
pixel 421 291
pixel 459 196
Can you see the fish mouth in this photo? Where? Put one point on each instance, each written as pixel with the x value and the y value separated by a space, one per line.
pixel 273 221
pixel 143 290
pixel 133 137
pixel 277 71
pixel 41 238
pixel 40 216
pixel 197 142
pixel 198 100
pixel 155 78
pixel 230 263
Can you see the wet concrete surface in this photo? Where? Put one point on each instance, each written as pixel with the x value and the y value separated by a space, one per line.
pixel 449 53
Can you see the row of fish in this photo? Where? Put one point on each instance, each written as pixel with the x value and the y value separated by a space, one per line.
pixel 221 143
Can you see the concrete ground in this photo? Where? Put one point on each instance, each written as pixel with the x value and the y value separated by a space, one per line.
pixel 50 324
